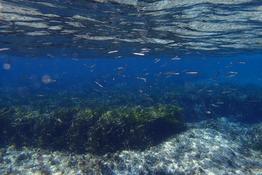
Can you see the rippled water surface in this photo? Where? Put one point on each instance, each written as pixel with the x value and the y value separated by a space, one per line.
pixel 79 28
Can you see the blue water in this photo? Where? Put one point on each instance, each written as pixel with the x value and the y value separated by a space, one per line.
pixel 202 56
pixel 69 73
pixel 45 76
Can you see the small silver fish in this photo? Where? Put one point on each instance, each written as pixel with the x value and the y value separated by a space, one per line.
pixel 145 49
pixel 100 85
pixel 139 54
pixel 141 78
pixel 157 60
pixel 214 105
pixel 171 73
pixel 112 51
pixel 176 58
pixel 192 73
pixel 242 62
pixel 208 112
pixel 4 49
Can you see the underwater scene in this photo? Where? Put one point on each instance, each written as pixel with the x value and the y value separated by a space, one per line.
pixel 130 87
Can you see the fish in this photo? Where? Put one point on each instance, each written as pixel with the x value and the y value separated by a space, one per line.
pixel 171 73
pixel 120 68
pixel 92 66
pixel 145 49
pixel 46 79
pixel 241 62
pixel 214 105
pixel 141 78
pixel 192 73
pixel 100 85
pixel 232 74
pixel 157 60
pixel 112 51
pixel 4 49
pixel 176 58
pixel 139 54
pixel 50 55
pixel 59 120
pixel 208 112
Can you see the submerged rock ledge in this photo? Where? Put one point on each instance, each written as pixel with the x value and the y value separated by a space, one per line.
pixel 97 131
pixel 208 147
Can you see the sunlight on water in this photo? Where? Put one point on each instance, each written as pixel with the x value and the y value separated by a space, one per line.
pixel 74 28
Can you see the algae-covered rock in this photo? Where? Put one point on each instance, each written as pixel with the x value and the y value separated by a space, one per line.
pixel 5 124
pixel 134 127
pixel 91 130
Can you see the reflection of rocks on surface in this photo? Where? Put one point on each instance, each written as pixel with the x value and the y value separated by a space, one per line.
pixel 203 149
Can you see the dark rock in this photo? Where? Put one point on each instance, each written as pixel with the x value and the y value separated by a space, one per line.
pixel 54 161
pixel 45 170
pixel 22 157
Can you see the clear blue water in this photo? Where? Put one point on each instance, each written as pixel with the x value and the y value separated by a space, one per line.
pixel 203 56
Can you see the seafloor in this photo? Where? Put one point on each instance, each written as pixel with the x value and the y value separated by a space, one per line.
pixel 215 146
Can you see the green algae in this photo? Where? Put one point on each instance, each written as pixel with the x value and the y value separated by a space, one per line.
pixel 99 130
pixel 135 127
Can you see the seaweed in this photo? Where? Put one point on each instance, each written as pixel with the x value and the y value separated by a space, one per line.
pixel 100 130
pixel 135 127
pixel 107 123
